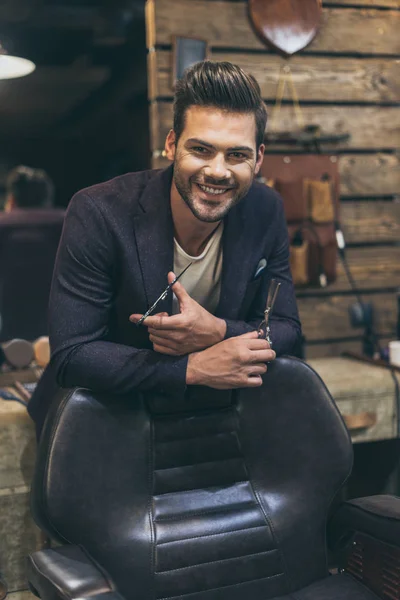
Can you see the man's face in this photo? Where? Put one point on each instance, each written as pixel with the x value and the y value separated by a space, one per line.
pixel 215 160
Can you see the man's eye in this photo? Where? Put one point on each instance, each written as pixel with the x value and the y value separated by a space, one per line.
pixel 199 149
pixel 238 155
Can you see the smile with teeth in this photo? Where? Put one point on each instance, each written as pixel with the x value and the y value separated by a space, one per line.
pixel 213 191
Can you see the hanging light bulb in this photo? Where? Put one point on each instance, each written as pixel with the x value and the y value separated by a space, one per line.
pixel 14 66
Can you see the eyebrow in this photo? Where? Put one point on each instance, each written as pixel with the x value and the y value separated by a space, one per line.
pixel 234 149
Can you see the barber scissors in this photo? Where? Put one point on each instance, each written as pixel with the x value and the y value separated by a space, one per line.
pixel 264 329
pixel 162 296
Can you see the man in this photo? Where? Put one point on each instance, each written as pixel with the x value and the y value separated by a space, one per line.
pixel 30 231
pixel 28 188
pixel 123 237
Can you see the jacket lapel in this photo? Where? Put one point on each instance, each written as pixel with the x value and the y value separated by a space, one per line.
pixel 238 248
pixel 154 234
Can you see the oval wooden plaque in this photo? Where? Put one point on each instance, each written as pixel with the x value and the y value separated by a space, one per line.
pixel 287 25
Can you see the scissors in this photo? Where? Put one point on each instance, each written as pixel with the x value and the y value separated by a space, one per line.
pixel 162 297
pixel 264 329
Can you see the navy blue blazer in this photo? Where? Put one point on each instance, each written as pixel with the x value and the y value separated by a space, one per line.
pixel 115 252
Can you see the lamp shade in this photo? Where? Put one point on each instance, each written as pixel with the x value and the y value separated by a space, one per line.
pixel 14 66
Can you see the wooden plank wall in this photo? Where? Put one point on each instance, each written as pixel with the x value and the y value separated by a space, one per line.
pixel 348 80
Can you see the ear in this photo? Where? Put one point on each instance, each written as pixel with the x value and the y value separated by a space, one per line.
pixel 170 146
pixel 260 158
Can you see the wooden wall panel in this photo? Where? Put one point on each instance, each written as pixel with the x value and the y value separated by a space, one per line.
pixel 348 80
pixel 329 316
pixel 371 221
pixel 336 348
pixel 328 79
pixel 365 3
pixel 372 268
pixel 375 174
pixel 369 126
pixel 226 25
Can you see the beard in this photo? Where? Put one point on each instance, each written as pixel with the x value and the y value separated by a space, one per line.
pixel 208 211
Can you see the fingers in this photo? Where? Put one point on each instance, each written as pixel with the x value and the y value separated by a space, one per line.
pixel 163 341
pixel 258 369
pixel 255 381
pixel 166 334
pixel 136 317
pixel 258 344
pixel 262 356
pixel 163 322
pixel 250 335
pixel 179 291
pixel 165 350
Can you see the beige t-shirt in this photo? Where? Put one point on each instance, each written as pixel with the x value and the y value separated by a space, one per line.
pixel 202 280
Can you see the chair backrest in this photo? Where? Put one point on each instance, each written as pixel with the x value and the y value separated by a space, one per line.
pixel 28 247
pixel 221 496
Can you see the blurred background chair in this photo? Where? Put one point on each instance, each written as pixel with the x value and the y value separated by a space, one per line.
pixel 30 231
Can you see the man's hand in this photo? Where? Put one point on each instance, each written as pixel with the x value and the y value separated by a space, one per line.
pixel 193 329
pixel 237 362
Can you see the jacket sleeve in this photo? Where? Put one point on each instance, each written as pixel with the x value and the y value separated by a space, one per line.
pixel 284 322
pixel 79 313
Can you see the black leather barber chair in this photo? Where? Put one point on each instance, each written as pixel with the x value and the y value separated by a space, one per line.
pixel 218 497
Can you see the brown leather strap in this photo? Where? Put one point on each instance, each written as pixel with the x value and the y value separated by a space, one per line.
pixel 362 420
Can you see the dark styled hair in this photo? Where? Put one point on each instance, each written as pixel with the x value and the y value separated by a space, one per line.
pixel 30 188
pixel 222 85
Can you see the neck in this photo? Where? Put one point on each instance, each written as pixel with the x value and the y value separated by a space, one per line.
pixel 191 234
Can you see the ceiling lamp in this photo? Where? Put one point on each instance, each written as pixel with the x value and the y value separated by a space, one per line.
pixel 14 66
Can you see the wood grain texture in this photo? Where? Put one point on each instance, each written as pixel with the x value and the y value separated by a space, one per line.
pixel 333 349
pixel 374 174
pixel 327 317
pixel 315 77
pixel 364 3
pixel 371 221
pixel 226 25
pixel 369 126
pixel 369 174
pixel 372 268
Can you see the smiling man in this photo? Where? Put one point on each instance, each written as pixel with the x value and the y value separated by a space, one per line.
pixel 125 238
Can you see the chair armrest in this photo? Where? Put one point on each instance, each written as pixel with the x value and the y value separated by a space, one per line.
pixel 366 540
pixel 66 573
pixel 375 516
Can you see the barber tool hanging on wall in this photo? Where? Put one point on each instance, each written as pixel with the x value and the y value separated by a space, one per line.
pixel 308 183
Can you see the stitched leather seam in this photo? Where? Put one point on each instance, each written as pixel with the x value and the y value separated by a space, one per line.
pixel 43 499
pixel 206 512
pixel 63 593
pixel 261 506
pixel 370 512
pixel 209 436
pixel 69 593
pixel 165 419
pixel 209 487
pixel 206 462
pixel 222 587
pixel 217 562
pixel 150 508
pixel 210 535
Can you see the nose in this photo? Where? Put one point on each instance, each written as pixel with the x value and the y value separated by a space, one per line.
pixel 217 168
